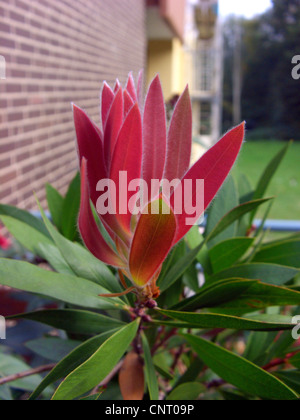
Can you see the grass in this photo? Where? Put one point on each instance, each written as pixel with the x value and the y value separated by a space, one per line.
pixel 285 185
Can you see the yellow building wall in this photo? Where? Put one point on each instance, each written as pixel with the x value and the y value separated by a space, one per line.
pixel 167 58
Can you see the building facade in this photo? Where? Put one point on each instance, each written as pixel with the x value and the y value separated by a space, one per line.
pixel 166 24
pixel 57 52
pixel 205 49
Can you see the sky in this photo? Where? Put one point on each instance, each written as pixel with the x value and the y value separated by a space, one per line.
pixel 247 8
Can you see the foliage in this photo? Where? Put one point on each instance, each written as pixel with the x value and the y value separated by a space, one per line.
pixel 229 338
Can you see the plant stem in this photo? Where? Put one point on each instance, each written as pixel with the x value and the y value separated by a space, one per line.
pixel 26 374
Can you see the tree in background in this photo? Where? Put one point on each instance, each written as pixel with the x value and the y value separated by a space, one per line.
pixel 270 96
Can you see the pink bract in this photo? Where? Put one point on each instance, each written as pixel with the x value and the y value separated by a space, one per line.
pixel 134 138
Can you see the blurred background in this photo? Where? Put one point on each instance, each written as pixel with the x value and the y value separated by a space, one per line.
pixel 236 57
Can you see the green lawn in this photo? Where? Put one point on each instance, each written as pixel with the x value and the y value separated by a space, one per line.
pixel 286 183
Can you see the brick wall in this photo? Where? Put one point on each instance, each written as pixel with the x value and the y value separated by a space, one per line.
pixel 57 51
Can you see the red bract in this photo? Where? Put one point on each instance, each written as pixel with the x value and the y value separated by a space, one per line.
pixel 5 243
pixel 134 139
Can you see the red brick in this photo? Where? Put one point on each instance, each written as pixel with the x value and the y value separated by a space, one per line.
pixel 58 52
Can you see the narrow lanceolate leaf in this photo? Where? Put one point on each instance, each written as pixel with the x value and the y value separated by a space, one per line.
pixel 260 296
pixel 239 372
pixel 131 378
pixel 286 253
pixel 235 214
pixel 127 159
pixel 29 237
pixel 89 230
pixel 152 241
pixel 290 378
pixel 24 217
pixel 98 366
pixel 155 133
pixel 179 144
pixel 90 147
pixel 70 210
pixel 217 294
pixel 213 169
pixel 226 253
pixel 55 259
pixel 52 348
pixel 226 199
pixel 65 288
pixel 295 361
pixel 113 126
pixel 179 268
pixel 55 204
pixel 73 321
pixel 207 320
pixel 150 373
pixel 79 260
pixel 189 391
pixel 267 176
pixel 72 361
pixel 269 273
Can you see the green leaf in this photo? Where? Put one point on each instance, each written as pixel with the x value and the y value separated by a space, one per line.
pixel 179 268
pixel 70 210
pixel 52 348
pixel 235 215
pixel 73 321
pixel 81 261
pixel 221 292
pixel 279 347
pixel 295 361
pixel 55 203
pixel 189 391
pixel 71 362
pixel 245 189
pixel 53 256
pixel 283 253
pixel 37 243
pixel 226 199
pixel 194 239
pixel 5 393
pixel 258 344
pixel 239 372
pixel 260 230
pixel 233 396
pixel 98 366
pixel 268 273
pixel 94 397
pixel 177 252
pixel 150 374
pixel 291 378
pixel 28 237
pixel 70 289
pixel 25 217
pixel 192 373
pixel 246 194
pixel 209 321
pixel 260 296
pixel 227 253
pixel 267 176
